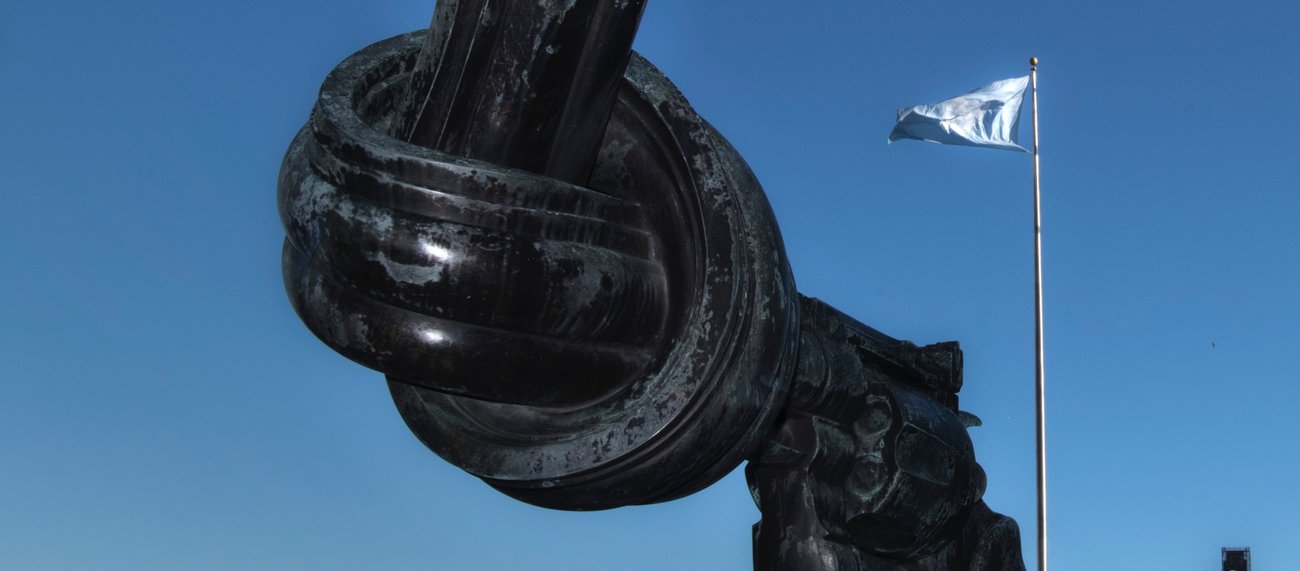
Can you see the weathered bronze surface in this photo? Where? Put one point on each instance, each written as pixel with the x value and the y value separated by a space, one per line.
pixel 578 293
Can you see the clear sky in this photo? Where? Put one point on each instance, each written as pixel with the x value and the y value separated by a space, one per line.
pixel 162 408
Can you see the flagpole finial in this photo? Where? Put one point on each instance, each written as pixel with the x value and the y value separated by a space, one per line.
pixel 1033 61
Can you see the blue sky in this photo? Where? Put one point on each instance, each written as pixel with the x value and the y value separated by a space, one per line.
pixel 162 408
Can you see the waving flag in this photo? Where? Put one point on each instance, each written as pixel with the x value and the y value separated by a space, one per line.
pixel 986 117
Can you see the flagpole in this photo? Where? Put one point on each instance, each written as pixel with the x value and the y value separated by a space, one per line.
pixel 1038 336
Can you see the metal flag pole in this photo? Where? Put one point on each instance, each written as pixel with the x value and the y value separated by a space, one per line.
pixel 1038 335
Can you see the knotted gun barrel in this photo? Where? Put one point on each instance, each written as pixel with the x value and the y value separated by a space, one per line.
pixel 577 292
pixel 582 329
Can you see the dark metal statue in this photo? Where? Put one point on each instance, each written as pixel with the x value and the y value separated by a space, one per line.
pixel 578 293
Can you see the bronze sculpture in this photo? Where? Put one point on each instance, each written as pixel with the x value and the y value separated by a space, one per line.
pixel 578 293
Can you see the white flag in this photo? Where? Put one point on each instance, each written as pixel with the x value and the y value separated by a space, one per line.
pixel 986 117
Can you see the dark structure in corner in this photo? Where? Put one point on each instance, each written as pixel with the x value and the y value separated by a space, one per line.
pixel 578 293
pixel 1236 558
